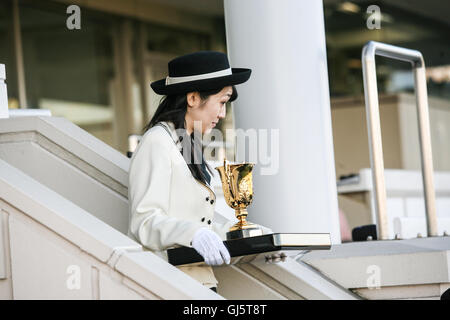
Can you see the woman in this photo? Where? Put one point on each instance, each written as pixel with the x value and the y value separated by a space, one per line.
pixel 171 200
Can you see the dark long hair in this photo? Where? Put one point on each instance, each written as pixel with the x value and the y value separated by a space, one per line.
pixel 173 108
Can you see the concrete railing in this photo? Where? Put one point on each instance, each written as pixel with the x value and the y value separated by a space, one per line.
pixel 56 250
pixel 390 269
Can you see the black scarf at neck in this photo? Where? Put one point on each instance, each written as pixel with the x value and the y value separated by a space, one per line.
pixel 202 165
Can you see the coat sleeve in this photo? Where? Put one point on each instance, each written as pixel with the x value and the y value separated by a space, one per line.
pixel 149 194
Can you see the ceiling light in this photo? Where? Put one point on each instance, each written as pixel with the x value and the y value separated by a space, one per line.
pixel 348 7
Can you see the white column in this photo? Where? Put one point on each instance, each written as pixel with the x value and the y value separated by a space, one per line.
pixel 283 42
pixel 3 93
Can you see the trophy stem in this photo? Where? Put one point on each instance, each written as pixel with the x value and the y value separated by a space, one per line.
pixel 241 215
pixel 243 229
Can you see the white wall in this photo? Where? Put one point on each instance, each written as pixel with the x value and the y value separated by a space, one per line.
pixel 283 42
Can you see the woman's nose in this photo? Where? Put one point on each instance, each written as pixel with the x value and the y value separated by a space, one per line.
pixel 223 112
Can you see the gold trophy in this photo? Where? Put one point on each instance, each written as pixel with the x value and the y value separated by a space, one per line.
pixel 238 191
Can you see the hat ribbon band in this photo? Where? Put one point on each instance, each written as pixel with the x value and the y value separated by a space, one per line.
pixel 216 74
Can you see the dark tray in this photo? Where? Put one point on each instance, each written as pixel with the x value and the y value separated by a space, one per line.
pixel 256 245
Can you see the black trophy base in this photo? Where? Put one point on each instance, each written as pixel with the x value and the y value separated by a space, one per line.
pixel 244 233
pixel 244 250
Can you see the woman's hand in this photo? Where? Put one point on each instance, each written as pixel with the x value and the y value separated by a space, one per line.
pixel 209 245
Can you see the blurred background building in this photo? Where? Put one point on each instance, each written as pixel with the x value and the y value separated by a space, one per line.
pixel 98 76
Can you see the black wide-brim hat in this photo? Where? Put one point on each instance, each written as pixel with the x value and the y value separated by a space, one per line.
pixel 200 71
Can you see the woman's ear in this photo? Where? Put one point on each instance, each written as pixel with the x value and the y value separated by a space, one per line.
pixel 193 99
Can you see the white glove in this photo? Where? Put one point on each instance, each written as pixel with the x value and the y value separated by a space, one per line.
pixel 209 245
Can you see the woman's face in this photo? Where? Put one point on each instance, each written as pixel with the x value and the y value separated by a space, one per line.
pixel 208 111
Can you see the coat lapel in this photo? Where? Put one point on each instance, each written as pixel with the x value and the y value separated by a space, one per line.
pixel 171 130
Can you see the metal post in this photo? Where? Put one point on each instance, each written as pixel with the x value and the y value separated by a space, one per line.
pixel 369 51
pixel 3 93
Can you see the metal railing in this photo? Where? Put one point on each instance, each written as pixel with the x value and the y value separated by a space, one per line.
pixel 369 51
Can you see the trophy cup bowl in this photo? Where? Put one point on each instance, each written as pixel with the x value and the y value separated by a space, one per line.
pixel 237 188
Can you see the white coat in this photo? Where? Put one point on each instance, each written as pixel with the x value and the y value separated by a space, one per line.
pixel 167 204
